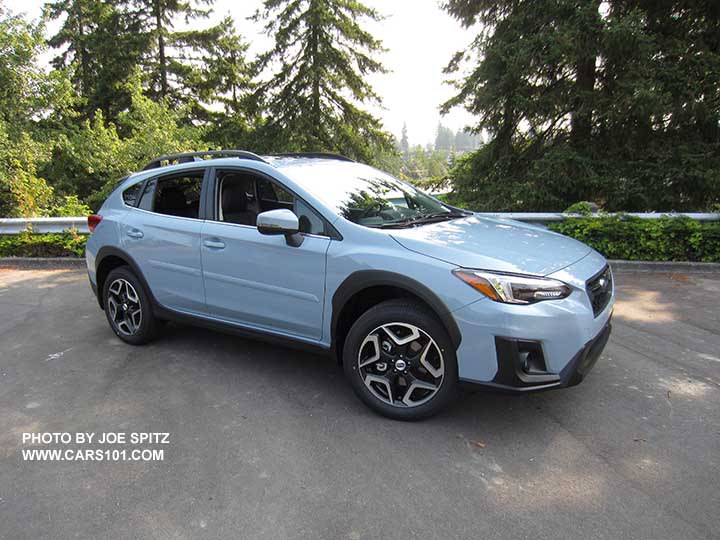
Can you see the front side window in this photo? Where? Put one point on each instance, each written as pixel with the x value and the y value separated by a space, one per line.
pixel 174 195
pixel 243 195
pixel 370 197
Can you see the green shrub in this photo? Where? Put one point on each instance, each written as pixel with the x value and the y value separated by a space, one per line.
pixel 67 244
pixel 633 238
pixel 583 208
pixel 71 206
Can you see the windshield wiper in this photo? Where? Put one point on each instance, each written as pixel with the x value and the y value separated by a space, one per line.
pixel 422 219
pixel 452 215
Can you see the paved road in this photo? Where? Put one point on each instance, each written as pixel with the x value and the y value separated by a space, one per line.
pixel 267 442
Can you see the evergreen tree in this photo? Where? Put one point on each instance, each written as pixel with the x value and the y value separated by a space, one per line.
pixel 616 102
pixel 404 144
pixel 444 138
pixel 227 77
pixel 228 80
pixel 466 141
pixel 323 57
pixel 102 45
pixel 172 61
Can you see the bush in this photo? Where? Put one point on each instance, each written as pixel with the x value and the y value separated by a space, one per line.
pixel 70 206
pixel 633 238
pixel 583 208
pixel 22 192
pixel 67 244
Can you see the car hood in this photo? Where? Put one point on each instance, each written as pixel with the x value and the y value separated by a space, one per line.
pixel 493 244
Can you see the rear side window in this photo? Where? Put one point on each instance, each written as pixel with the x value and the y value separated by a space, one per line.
pixel 174 195
pixel 130 195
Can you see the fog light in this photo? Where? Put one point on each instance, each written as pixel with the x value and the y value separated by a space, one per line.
pixel 532 360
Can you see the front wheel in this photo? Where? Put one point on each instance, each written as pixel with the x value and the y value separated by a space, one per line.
pixel 400 361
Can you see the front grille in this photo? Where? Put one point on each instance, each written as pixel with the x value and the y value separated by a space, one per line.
pixel 599 289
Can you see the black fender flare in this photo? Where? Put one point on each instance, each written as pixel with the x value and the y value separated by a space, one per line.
pixel 364 279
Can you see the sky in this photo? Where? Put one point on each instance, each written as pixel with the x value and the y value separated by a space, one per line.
pixel 420 38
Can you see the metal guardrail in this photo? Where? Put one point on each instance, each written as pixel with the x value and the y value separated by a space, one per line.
pixel 43 225
pixel 60 224
pixel 549 217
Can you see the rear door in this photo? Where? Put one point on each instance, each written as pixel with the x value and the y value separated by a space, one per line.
pixel 259 280
pixel 162 234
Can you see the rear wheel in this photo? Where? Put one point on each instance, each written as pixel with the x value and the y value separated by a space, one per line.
pixel 400 361
pixel 127 307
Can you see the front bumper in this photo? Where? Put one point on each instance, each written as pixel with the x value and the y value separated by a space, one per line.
pixel 539 346
pixel 511 375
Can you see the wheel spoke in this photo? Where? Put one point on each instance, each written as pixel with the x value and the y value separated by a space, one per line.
pixel 435 372
pixel 131 293
pixel 414 333
pixel 116 287
pixel 370 379
pixel 417 384
pixel 113 307
pixel 136 317
pixel 372 338
pixel 124 324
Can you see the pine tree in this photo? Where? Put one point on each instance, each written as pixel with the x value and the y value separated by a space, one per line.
pixel 73 35
pixel 227 79
pixel 102 46
pixel 227 76
pixel 172 61
pixel 444 138
pixel 323 57
pixel 615 102
pixel 404 143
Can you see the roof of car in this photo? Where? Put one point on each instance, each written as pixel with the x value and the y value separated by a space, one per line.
pixel 276 160
pixel 283 162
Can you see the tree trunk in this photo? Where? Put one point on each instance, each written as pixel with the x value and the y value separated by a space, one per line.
pixel 82 55
pixel 582 113
pixel 581 126
pixel 161 49
pixel 233 81
pixel 315 51
pixel 503 139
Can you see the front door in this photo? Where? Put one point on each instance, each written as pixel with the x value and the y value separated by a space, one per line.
pixel 258 280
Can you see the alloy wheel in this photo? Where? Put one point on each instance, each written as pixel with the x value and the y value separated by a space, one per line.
pixel 124 307
pixel 401 364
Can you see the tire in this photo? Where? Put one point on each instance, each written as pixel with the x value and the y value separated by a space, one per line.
pixel 396 334
pixel 125 291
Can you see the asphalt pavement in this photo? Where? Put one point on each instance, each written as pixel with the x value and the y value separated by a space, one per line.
pixel 266 442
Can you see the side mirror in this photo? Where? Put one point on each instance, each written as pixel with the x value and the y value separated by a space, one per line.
pixel 282 221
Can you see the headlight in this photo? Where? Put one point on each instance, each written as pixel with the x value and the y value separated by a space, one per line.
pixel 514 289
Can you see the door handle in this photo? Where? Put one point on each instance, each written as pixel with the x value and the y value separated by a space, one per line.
pixel 214 244
pixel 135 233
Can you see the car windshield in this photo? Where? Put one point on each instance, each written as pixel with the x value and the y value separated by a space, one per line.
pixel 370 197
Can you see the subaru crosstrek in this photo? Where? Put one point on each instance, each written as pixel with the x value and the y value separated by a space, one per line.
pixel 411 295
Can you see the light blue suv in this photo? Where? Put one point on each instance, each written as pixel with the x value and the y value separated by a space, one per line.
pixel 411 295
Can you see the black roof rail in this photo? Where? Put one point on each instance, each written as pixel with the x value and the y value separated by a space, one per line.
pixel 327 155
pixel 188 157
